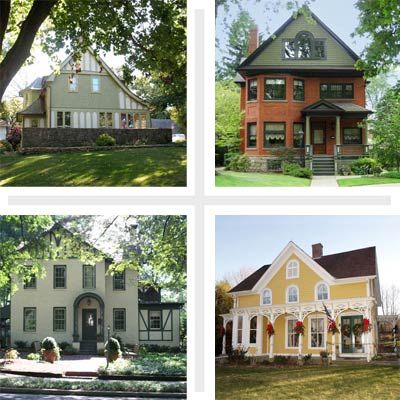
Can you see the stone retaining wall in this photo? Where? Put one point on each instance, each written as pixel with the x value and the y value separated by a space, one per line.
pixel 81 137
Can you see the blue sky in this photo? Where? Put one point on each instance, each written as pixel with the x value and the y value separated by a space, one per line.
pixel 252 241
pixel 339 15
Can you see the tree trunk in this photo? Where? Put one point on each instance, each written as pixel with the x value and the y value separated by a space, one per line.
pixel 20 51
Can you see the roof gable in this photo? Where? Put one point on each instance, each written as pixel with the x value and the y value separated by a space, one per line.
pixel 269 53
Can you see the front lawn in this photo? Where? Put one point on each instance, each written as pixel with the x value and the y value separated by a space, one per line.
pixel 367 180
pixel 355 382
pixel 156 166
pixel 250 179
pixel 149 364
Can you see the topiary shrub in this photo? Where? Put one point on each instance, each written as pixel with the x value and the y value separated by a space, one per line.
pixel 237 162
pixel 364 166
pixel 112 350
pixel 296 171
pixel 50 351
pixel 105 140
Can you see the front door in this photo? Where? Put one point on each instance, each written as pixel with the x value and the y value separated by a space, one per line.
pixel 89 324
pixel 351 341
pixel 319 137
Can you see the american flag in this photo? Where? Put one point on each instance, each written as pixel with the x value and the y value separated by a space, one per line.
pixel 329 316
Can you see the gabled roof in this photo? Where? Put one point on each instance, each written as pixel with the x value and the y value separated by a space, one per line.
pixel 37 84
pixel 335 108
pixel 349 264
pixel 279 31
pixel 36 108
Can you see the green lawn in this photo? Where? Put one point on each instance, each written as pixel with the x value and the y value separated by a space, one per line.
pixel 367 180
pixel 157 166
pixel 235 179
pixel 361 382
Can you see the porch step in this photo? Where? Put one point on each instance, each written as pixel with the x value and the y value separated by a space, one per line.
pixel 323 165
pixel 88 347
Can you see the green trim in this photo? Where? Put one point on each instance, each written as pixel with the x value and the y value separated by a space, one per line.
pixel 54 319
pixel 26 309
pixel 54 277
pixel 124 328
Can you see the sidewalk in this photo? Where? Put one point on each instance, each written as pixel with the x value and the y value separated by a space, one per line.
pixel 324 181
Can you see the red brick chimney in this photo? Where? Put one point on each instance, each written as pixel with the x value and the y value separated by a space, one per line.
pixel 253 39
pixel 317 250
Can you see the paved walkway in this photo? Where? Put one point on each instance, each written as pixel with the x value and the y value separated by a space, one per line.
pixel 324 181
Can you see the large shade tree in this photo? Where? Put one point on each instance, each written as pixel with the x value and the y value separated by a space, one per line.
pixel 150 34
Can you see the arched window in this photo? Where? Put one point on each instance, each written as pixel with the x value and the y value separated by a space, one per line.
pixel 292 294
pixel 304 46
pixel 322 291
pixel 253 330
pixel 267 297
pixel 292 269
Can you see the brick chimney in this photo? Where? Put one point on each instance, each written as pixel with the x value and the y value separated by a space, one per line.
pixel 317 250
pixel 253 39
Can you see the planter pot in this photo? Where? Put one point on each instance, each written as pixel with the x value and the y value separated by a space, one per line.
pixel 49 356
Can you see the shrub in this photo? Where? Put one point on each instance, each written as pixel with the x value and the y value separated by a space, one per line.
pixel 5 146
pixel 64 345
pixel 285 154
pixel 392 174
pixel 296 171
pixel 21 344
pixel 49 343
pixel 307 358
pixel 155 348
pixel 237 355
pixel 323 354
pixel 14 137
pixel 112 350
pixel 11 354
pixel 70 350
pixel 345 170
pixel 33 356
pixel 364 166
pixel 237 162
pixel 281 360
pixel 105 140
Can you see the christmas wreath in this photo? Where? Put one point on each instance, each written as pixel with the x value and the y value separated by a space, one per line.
pixel 346 330
pixel 270 329
pixel 299 328
pixel 332 327
pixel 358 329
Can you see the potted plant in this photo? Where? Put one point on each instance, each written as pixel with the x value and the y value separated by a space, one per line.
pixel 50 350
pixel 324 357
pixel 112 350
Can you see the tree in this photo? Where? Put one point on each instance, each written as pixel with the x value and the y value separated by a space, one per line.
pixel 151 35
pixel 379 20
pixel 228 117
pixel 234 278
pixel 9 109
pixel 386 129
pixel 377 88
pixel 237 47
pixel 391 301
pixel 223 304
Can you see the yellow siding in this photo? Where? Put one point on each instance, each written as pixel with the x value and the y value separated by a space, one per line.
pixel 249 301
pixel 349 290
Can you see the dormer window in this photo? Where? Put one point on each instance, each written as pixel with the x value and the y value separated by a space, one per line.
pixel 292 269
pixel 266 297
pixel 304 46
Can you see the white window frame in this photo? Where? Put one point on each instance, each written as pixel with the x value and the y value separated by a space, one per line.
pixel 93 77
pixel 311 317
pixel 253 329
pixel 287 294
pixel 316 291
pixel 270 297
pixel 287 319
pixel 291 268
pixel 157 316
pixel 239 329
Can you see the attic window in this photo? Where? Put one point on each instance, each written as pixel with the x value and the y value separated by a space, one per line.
pixel 304 47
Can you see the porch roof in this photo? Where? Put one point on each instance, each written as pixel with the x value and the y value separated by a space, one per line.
pixel 36 108
pixel 333 108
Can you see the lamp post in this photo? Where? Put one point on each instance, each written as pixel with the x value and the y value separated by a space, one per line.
pixel 108 343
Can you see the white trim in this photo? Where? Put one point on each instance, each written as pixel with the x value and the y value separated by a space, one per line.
pixel 291 318
pixel 317 316
pixel 349 314
pixel 316 291
pixel 287 294
pixel 262 297
pixel 250 318
pixel 292 261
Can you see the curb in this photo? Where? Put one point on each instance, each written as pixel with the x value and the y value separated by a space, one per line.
pixel 33 374
pixel 93 393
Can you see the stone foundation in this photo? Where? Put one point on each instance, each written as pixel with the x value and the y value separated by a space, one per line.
pixel 269 164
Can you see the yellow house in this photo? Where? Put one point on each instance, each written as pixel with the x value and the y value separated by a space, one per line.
pixel 318 293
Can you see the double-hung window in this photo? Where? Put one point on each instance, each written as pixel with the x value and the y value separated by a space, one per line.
pixel 252 89
pixel 59 319
pixel 240 329
pixel 29 319
pixel 252 135
pixel 298 90
pixel 63 119
pixel 292 340
pixel 73 83
pixel 352 136
pixel 317 332
pixel 89 276
pixel 95 84
pixel 119 280
pixel 60 277
pixel 155 319
pixel 275 89
pixel 119 319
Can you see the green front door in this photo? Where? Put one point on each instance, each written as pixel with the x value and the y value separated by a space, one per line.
pixel 351 342
pixel 89 324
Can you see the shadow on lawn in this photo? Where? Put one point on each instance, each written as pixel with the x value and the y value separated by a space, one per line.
pixel 137 167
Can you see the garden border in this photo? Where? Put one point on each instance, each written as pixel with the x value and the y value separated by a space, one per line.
pixel 147 377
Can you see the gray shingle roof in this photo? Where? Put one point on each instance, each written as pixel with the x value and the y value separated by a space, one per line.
pixel 36 108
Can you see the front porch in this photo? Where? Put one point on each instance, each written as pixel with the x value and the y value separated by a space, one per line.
pixel 336 133
pixel 251 327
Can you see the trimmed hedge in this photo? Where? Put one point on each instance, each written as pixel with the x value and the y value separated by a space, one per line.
pixel 296 171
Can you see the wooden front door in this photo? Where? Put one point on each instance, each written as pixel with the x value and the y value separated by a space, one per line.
pixel 318 131
pixel 351 342
pixel 89 324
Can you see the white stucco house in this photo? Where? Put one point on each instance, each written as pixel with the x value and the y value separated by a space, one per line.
pixel 76 302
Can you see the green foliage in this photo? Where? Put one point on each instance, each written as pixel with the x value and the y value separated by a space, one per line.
pixel 237 355
pixel 113 345
pixel 378 20
pixel 364 166
pixel 155 348
pixel 237 46
pixel 386 128
pixel 281 360
pixel 49 343
pixel 105 140
pixel 9 109
pixel 227 116
pixel 296 171
pixel 33 357
pixel 377 88
pixel 392 174
pixel 150 363
pixel 21 344
pixel 11 354
pixel 5 146
pixel 237 162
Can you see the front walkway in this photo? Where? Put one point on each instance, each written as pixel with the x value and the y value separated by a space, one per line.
pixel 324 181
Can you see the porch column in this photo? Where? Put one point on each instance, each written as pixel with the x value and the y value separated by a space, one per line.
pixel 333 347
pixel 246 331
pixel 259 333
pixel 234 331
pixel 300 345
pixel 224 339
pixel 308 131
pixel 338 141
pixel 271 346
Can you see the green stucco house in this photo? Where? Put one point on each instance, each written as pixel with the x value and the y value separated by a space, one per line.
pixel 82 93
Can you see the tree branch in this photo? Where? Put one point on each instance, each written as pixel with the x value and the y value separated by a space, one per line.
pixel 20 51
pixel 5 7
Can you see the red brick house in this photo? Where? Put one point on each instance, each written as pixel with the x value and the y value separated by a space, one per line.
pixel 301 90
